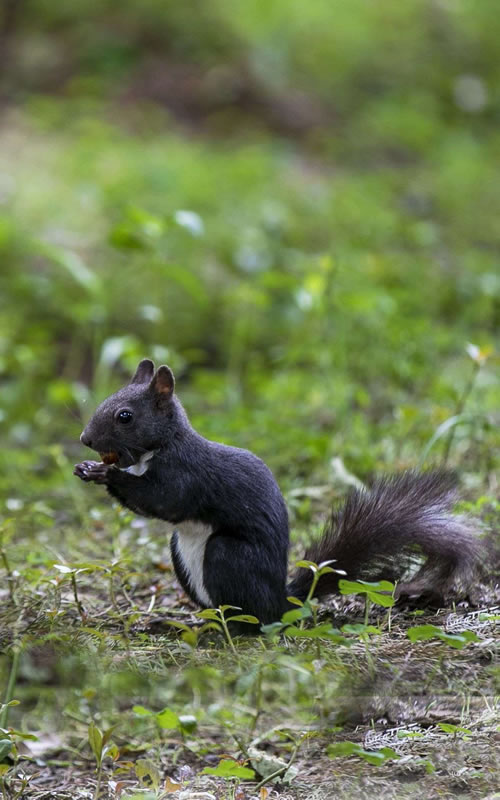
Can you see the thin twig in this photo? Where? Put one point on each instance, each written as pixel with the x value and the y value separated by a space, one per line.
pixel 281 771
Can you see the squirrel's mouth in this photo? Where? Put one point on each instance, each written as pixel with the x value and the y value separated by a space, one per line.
pixel 119 460
pixel 110 458
pixel 127 463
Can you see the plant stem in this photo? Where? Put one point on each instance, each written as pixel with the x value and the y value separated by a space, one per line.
pixel 113 595
pixel 75 593
pixel 14 669
pixel 258 700
pixel 98 787
pixel 20 793
pixel 476 366
pixel 367 609
pixel 310 595
pixel 10 576
pixel 281 770
pixel 227 634
pixel 314 583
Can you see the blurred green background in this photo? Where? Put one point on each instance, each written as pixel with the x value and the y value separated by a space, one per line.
pixel 295 205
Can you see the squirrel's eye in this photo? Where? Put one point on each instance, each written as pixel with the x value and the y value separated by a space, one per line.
pixel 124 416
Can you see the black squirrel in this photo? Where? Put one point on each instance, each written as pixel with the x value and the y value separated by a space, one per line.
pixel 231 539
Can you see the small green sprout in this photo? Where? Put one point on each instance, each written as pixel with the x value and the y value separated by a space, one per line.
pixel 218 615
pixel 102 748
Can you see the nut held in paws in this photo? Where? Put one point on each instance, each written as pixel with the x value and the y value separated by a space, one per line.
pixel 109 458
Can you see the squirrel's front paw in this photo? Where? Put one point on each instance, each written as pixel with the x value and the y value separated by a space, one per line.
pixel 95 471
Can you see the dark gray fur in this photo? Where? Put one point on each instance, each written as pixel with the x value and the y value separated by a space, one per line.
pixel 376 534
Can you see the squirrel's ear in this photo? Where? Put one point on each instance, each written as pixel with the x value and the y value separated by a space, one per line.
pixel 163 383
pixel 144 371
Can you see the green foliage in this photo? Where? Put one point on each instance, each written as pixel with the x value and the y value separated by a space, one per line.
pixel 457 640
pixel 219 620
pixel 379 592
pixel 100 744
pixel 375 757
pixel 227 768
pixel 168 719
pixel 344 270
pixel 148 773
pixel 447 727
pixel 293 205
pixel 5 748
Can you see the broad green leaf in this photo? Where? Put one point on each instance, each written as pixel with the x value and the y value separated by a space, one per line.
pixel 324 631
pixel 244 618
pixel 459 640
pixel 378 586
pixel 456 640
pixel 449 728
pixel 95 741
pixel 190 638
pixel 289 617
pixel 307 565
pixel 110 751
pixel 210 626
pixel 373 590
pixel 168 720
pixel 181 626
pixel 22 735
pixel 375 757
pixel 148 773
pixel 423 632
pixel 272 628
pixel 5 747
pixel 142 712
pixel 385 600
pixel 326 570
pixel 227 768
pixel 188 723
pixel 351 587
pixel 364 587
pixel 295 601
pixel 378 757
pixel 343 749
pixel 359 629
pixel 209 613
pixel 107 734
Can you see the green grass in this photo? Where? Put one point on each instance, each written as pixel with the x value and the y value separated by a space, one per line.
pixel 317 304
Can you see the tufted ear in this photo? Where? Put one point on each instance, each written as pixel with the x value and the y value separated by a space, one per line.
pixel 163 383
pixel 144 371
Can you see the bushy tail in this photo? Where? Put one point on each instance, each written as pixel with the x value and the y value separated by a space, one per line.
pixel 379 533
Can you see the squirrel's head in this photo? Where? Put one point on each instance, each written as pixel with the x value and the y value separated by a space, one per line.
pixel 143 416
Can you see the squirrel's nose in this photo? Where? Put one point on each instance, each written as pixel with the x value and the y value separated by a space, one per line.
pixel 85 439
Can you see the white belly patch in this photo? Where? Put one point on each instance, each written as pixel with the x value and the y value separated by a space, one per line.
pixel 142 465
pixel 192 538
